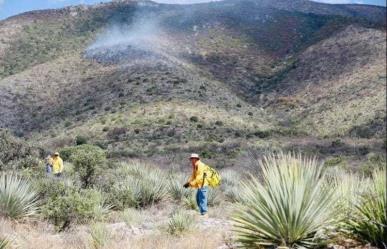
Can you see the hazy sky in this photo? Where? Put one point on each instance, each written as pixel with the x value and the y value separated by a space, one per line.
pixel 13 7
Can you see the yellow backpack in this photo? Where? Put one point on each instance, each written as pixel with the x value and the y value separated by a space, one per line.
pixel 212 176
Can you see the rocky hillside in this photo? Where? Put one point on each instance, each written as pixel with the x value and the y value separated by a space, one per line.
pixel 143 79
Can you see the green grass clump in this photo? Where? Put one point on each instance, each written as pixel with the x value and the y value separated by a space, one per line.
pixel 17 198
pixel 288 208
pixel 179 222
pixel 368 222
pixel 100 236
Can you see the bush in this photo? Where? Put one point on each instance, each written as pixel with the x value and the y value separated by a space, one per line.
pixel 262 134
pixel 179 223
pixel 13 151
pixel 79 140
pixel 17 199
pixel 288 209
pixel 194 119
pixel 74 206
pixel 88 160
pixel 369 219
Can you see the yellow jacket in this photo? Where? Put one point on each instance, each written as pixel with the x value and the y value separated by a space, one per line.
pixel 57 165
pixel 196 179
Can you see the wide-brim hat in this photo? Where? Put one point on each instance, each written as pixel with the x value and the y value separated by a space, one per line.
pixel 194 155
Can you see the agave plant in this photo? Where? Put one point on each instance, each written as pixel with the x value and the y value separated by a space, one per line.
pixel 100 236
pixel 4 243
pixel 349 187
pixel 17 199
pixel 288 208
pixel 179 223
pixel 369 220
pixel 175 188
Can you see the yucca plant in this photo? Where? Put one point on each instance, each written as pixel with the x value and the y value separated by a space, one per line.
pixel 175 188
pixel 4 243
pixel 369 220
pixel 100 236
pixel 179 223
pixel 289 206
pixel 17 198
pixel 189 202
pixel 349 188
pixel 214 197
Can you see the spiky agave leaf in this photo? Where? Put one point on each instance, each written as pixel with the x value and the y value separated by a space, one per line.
pixel 369 220
pixel 289 207
pixel 17 198
pixel 4 243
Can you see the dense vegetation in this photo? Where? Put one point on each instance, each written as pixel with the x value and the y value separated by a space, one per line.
pixel 126 90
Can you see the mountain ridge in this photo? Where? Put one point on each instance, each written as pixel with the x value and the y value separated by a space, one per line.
pixel 128 76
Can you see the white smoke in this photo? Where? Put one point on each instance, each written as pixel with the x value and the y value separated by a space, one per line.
pixel 143 33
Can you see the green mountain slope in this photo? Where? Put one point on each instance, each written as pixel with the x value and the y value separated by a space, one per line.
pixel 142 79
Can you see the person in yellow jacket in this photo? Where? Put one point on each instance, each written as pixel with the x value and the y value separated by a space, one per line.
pixel 57 165
pixel 198 181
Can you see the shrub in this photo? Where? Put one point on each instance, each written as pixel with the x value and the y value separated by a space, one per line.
pixel 79 140
pixel 17 199
pixel 194 119
pixel 100 236
pixel 291 205
pixel 179 222
pixel 219 123
pixel 27 162
pixel 374 162
pixel 16 153
pixel 88 160
pixel 74 206
pixel 262 134
pixel 369 219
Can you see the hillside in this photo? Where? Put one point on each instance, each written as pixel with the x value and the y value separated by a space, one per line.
pixel 142 79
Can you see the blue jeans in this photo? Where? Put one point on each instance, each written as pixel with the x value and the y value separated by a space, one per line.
pixel 48 168
pixel 201 199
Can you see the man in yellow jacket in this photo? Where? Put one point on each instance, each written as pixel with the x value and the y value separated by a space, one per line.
pixel 198 180
pixel 57 165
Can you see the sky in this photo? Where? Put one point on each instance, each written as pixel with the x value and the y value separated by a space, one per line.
pixel 13 7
